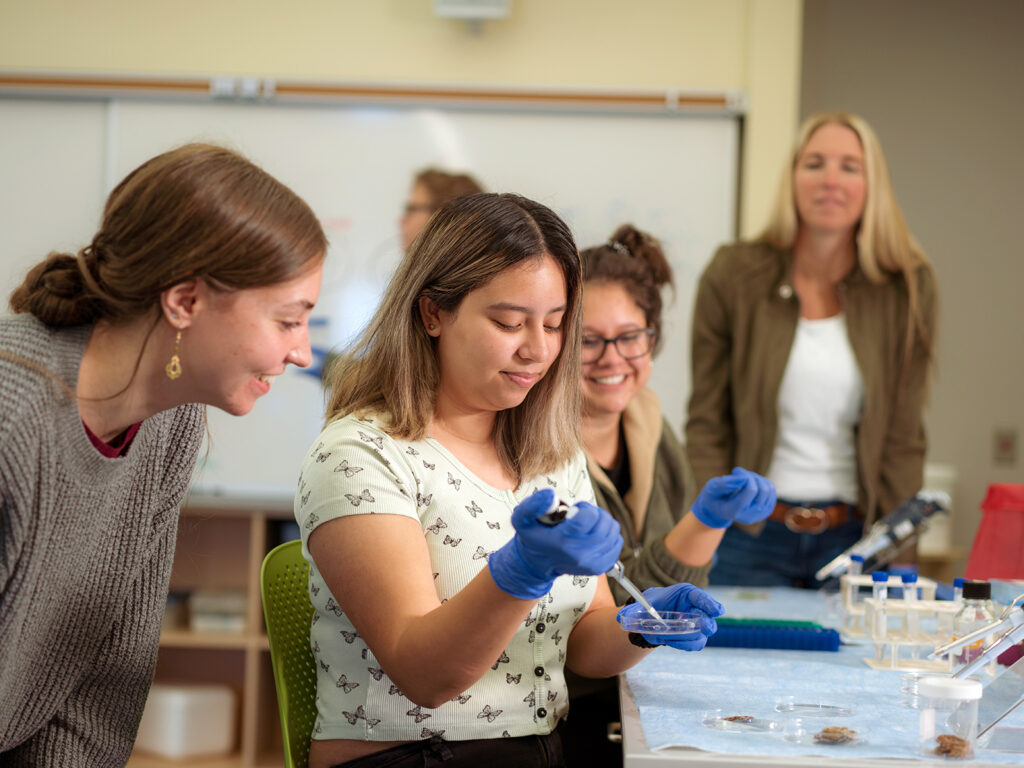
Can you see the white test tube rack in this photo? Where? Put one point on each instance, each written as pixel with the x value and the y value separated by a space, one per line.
pixel 893 649
pixel 853 608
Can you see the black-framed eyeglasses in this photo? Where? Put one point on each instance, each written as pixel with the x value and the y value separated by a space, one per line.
pixel 630 345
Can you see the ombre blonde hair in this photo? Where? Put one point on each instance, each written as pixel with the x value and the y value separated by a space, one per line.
pixel 392 368
pixel 885 246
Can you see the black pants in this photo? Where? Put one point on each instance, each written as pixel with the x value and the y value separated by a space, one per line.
pixel 585 732
pixel 520 752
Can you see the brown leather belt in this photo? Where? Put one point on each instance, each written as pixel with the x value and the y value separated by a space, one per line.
pixel 813 519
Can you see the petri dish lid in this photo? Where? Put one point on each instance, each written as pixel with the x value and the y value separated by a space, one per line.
pixel 674 623
pixel 811 706
pixel 949 688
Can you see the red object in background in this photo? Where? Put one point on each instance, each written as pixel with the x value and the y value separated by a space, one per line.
pixel 998 550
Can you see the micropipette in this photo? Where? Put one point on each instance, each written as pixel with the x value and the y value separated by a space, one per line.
pixel 560 511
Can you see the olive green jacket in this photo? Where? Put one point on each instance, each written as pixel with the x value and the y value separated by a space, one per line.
pixel 661 492
pixel 744 323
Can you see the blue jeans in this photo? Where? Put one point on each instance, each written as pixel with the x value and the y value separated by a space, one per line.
pixel 779 557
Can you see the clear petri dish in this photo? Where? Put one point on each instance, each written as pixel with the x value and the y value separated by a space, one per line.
pixel 673 623
pixel 909 681
pixel 815 732
pixel 809 706
pixel 737 722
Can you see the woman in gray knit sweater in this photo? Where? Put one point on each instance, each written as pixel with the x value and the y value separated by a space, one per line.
pixel 196 290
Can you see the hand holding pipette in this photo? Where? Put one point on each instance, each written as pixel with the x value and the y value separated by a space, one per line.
pixel 586 543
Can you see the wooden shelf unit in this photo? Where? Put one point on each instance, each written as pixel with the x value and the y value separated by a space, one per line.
pixel 221 546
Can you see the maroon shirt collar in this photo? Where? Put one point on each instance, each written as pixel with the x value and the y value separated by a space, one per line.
pixel 116 447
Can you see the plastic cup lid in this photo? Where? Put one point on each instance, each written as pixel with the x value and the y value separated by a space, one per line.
pixel 949 688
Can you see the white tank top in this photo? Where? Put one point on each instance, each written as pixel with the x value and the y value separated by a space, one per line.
pixel 819 406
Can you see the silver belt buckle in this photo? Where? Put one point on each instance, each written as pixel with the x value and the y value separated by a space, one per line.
pixel 806 520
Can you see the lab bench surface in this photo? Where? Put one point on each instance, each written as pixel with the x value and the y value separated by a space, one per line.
pixel 672 689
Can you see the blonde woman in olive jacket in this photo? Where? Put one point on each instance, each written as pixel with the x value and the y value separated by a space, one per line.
pixel 811 352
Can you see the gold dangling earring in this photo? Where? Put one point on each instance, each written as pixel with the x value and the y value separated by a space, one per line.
pixel 173 368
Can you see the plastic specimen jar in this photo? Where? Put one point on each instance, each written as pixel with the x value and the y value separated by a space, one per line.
pixel 949 716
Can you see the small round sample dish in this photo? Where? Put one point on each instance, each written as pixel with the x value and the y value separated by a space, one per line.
pixel 809 706
pixel 909 681
pixel 672 623
pixel 737 722
pixel 815 732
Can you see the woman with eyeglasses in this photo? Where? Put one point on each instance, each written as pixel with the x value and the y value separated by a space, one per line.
pixel 637 466
pixel 432 188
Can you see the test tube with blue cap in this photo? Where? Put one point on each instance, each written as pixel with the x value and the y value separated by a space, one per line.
pixel 856 569
pixel 913 620
pixel 958 590
pixel 880 591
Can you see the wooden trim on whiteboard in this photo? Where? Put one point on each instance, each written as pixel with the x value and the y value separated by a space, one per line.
pixel 265 90
pixel 43 84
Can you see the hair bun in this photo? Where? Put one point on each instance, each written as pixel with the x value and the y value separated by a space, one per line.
pixel 55 292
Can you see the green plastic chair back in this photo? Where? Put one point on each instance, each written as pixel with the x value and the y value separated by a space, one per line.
pixel 285 591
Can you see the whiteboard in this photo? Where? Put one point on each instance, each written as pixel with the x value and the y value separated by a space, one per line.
pixel 674 175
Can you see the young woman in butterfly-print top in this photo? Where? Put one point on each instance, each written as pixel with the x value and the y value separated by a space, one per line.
pixel 445 612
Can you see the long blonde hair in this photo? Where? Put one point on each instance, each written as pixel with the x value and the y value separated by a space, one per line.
pixel 393 368
pixel 885 246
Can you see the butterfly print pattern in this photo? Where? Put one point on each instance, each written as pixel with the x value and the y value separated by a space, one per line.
pixel 357 500
pixel 305 498
pixel 489 713
pixel 359 714
pixel 421 481
pixel 348 469
pixel 503 659
pixel 418 713
pixel 377 442
pixel 344 684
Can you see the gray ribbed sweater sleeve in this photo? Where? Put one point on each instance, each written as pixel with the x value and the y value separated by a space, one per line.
pixel 86 545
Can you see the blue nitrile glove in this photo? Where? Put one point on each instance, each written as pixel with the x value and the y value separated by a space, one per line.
pixel 742 496
pixel 680 598
pixel 586 544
